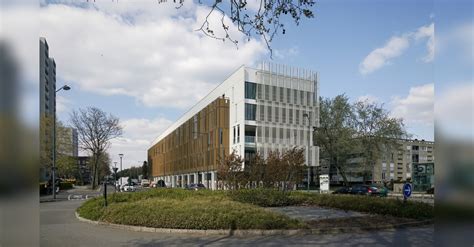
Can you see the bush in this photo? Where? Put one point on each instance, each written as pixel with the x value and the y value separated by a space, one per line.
pixel 373 205
pixel 65 185
pixel 263 197
pixel 182 209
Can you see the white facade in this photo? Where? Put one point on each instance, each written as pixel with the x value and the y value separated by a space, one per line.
pixel 275 114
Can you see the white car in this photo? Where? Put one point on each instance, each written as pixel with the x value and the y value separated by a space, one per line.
pixel 145 183
pixel 127 188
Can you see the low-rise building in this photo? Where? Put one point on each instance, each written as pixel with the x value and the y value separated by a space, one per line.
pixel 254 110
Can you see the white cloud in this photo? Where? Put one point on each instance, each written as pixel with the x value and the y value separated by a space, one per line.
pixel 147 52
pixel 417 107
pixel 396 46
pixel 62 104
pixel 455 111
pixel 381 56
pixel 427 32
pixel 138 134
pixel 286 53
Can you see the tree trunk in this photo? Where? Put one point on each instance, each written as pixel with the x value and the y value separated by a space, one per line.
pixel 344 178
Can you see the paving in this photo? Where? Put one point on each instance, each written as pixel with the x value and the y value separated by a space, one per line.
pixel 59 227
pixel 315 213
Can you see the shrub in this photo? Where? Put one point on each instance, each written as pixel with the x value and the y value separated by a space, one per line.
pixel 373 205
pixel 182 209
pixel 263 197
pixel 65 185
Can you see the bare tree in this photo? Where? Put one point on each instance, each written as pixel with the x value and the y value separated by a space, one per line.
pixel 95 130
pixel 265 18
pixel 293 161
pixel 229 170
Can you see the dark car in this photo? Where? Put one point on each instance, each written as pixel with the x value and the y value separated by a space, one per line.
pixel 364 190
pixel 196 187
pixel 343 190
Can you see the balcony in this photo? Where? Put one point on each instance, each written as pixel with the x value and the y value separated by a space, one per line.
pixel 250 139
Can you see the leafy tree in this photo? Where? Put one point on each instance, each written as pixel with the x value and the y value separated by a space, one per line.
pixel 376 131
pixel 95 130
pixel 335 133
pixel 362 129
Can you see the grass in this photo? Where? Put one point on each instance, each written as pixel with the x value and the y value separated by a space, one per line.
pixel 181 209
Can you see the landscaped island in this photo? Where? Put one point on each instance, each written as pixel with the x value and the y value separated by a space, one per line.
pixel 241 209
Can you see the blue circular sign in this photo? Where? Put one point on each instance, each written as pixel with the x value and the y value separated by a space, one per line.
pixel 407 190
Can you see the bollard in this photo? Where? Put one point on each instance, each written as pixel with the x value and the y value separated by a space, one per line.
pixel 105 193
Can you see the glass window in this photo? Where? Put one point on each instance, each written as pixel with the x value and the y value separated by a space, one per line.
pixel 290 116
pixel 295 97
pixel 269 113
pixel 288 96
pixel 281 93
pixel 250 111
pixel 297 116
pixel 262 113
pixel 259 91
pixel 267 92
pixel 308 98
pixel 274 93
pixel 283 115
pixel 250 90
pixel 277 114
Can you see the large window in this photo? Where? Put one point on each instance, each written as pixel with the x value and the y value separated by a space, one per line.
pixel 250 111
pixel 250 90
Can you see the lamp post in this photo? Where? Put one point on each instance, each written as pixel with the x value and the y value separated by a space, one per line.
pixel 306 115
pixel 66 88
pixel 115 173
pixel 121 156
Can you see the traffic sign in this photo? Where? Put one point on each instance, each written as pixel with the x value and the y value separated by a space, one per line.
pixel 407 190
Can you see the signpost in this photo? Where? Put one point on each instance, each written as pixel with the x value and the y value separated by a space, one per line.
pixel 407 189
pixel 324 183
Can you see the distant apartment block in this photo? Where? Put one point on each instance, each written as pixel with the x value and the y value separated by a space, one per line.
pixel 67 141
pixel 412 160
pixel 47 84
pixel 253 110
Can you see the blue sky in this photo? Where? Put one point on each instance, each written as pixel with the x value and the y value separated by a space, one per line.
pixel 144 63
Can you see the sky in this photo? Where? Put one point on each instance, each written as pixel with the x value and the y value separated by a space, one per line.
pixel 145 62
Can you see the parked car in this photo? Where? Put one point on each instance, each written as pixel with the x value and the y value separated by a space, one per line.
pixel 343 190
pixel 196 187
pixel 128 188
pixel 364 190
pixel 382 191
pixel 145 183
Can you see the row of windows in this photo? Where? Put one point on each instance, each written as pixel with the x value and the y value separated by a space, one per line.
pixel 272 114
pixel 275 135
pixel 284 95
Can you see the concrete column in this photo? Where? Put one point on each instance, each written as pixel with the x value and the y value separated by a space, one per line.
pixel 173 181
pixel 195 178
pixel 187 179
pixel 213 180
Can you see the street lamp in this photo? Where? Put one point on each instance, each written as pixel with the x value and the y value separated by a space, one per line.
pixel 121 156
pixel 306 115
pixel 115 173
pixel 66 88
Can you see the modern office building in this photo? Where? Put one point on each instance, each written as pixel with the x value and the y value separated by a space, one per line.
pixel 260 110
pixel 47 80
pixel 412 160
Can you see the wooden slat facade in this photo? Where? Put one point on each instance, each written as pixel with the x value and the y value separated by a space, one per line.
pixel 194 146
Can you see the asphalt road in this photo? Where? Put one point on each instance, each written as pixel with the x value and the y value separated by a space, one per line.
pixel 59 227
